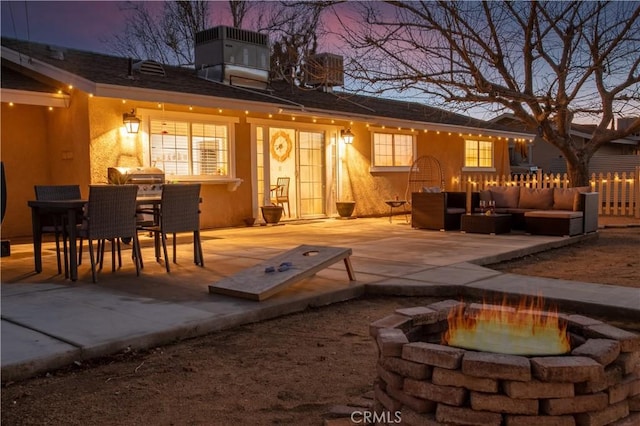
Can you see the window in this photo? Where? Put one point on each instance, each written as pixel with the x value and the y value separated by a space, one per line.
pixel 478 154
pixel 183 148
pixel 392 150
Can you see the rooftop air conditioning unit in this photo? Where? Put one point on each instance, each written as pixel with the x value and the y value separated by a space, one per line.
pixel 324 69
pixel 233 56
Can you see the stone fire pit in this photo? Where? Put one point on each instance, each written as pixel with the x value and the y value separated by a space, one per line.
pixel 429 383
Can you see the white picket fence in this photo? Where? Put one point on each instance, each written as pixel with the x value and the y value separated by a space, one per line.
pixel 619 193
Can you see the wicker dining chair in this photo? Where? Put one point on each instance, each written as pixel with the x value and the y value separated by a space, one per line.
pixel 111 215
pixel 179 212
pixel 55 224
pixel 282 193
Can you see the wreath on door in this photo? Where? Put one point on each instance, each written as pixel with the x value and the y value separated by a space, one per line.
pixel 281 145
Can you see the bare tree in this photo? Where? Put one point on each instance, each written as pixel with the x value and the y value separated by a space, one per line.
pixel 294 29
pixel 239 11
pixel 546 62
pixel 165 34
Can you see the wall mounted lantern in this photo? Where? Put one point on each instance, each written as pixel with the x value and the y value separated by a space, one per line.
pixel 347 136
pixel 131 122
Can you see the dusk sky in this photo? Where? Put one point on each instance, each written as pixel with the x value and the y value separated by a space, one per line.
pixel 84 25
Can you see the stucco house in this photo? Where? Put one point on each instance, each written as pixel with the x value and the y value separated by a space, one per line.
pixel 235 132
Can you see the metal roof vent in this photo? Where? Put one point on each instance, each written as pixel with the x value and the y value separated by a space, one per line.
pixel 55 53
pixel 149 68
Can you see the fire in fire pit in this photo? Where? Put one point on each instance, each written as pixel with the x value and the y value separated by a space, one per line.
pixel 589 376
pixel 525 329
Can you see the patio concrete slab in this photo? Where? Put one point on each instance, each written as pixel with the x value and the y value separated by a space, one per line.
pixel 453 275
pixel 49 322
pixel 20 344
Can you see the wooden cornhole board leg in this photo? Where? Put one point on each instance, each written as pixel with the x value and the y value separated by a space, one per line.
pixel 256 284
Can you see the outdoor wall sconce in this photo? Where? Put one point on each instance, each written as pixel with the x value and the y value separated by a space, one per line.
pixel 347 136
pixel 131 122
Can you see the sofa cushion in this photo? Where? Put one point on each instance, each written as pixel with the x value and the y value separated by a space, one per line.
pixel 505 196
pixel 485 195
pixel 536 198
pixel 568 198
pixel 557 214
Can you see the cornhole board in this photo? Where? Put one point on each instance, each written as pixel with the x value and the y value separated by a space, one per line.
pixel 256 284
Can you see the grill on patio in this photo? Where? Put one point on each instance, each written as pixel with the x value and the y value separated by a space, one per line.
pixel 148 179
pixel 596 382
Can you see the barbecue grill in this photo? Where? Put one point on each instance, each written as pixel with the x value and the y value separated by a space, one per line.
pixel 148 179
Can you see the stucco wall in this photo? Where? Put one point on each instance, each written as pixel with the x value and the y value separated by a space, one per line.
pixel 112 146
pixel 370 189
pixel 41 147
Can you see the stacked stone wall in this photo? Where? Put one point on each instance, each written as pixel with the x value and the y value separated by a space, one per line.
pixel 430 383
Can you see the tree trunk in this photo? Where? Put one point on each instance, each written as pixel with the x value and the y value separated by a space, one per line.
pixel 578 172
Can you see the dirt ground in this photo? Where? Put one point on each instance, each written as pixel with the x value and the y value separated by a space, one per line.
pixel 288 371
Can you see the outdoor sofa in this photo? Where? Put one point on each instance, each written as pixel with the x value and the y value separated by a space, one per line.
pixel 547 211
pixel 544 211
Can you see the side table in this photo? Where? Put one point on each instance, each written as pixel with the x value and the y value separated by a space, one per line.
pixel 397 203
pixel 480 223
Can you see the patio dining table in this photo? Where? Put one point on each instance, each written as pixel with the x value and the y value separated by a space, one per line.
pixel 72 209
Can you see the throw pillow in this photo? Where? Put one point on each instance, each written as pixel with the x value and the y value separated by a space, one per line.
pixel 536 198
pixel 485 195
pixel 505 196
pixel 577 204
pixel 563 198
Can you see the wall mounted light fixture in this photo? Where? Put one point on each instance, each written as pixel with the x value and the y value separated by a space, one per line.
pixel 347 136
pixel 131 122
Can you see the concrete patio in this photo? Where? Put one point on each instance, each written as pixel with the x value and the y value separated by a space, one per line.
pixel 49 322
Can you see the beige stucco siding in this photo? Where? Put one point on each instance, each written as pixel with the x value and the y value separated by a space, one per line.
pixel 41 147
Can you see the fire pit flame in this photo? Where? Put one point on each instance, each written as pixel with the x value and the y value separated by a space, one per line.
pixel 525 329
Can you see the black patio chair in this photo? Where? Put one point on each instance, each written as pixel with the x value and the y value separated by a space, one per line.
pixel 55 224
pixel 179 212
pixel 111 215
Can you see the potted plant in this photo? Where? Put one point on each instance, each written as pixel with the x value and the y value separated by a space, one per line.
pixel 345 208
pixel 272 214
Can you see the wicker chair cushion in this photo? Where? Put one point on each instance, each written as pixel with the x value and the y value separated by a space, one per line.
pixel 455 210
pixel 505 196
pixel 568 198
pixel 431 189
pixel 536 198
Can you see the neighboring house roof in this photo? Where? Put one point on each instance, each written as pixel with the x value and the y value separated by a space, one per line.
pixel 105 75
pixel 580 130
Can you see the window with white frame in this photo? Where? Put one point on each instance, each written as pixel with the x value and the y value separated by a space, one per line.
pixel 392 150
pixel 478 153
pixel 186 148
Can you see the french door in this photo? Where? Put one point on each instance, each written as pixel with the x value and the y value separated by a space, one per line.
pixel 299 155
